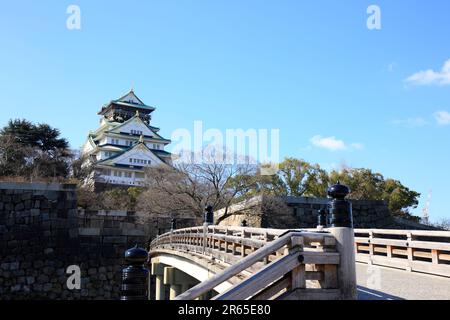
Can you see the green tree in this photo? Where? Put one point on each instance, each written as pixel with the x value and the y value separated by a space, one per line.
pixel 31 150
pixel 295 177
pixel 363 183
pixel 401 199
pixel 367 185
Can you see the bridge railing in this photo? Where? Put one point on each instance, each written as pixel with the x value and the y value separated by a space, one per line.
pixel 411 250
pixel 282 264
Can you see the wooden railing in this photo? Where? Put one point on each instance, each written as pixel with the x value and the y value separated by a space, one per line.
pixel 282 264
pixel 411 250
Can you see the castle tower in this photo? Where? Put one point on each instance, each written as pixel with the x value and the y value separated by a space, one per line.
pixel 125 143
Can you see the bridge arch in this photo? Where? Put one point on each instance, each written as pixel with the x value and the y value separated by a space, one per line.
pixel 199 269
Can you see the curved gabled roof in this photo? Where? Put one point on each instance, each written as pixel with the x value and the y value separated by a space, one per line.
pixel 160 154
pixel 130 99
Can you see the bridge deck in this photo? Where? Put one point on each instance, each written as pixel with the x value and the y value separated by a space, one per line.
pixel 381 283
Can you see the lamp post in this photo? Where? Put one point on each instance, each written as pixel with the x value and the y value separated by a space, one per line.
pixel 341 227
pixel 135 275
pixel 340 209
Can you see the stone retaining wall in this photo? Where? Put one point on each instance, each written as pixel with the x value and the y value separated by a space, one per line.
pixel 301 212
pixel 42 233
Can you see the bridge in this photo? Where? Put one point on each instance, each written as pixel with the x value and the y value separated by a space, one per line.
pixel 332 262
pixel 237 263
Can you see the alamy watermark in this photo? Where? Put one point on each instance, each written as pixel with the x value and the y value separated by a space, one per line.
pixel 74 280
pixel 374 19
pixel 234 146
pixel 73 22
pixel 373 278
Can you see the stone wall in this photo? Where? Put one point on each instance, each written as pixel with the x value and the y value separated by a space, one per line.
pixel 301 212
pixel 42 233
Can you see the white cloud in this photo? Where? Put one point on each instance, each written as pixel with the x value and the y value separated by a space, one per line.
pixel 429 77
pixel 411 122
pixel 333 144
pixel 442 117
pixel 330 143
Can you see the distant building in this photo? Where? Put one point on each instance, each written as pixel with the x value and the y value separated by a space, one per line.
pixel 124 144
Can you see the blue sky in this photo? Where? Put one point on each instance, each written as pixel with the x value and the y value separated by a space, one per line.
pixel 310 68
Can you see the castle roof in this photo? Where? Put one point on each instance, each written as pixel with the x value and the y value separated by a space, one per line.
pixel 129 99
pixel 141 147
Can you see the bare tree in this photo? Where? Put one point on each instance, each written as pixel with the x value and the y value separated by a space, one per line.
pixel 277 213
pixel 187 187
pixel 444 224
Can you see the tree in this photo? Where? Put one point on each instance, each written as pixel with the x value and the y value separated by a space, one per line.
pixel 13 156
pixel 82 168
pixel 363 183
pixel 33 151
pixel 295 177
pixel 444 224
pixel 367 185
pixel 120 199
pixel 187 187
pixel 401 199
pixel 113 199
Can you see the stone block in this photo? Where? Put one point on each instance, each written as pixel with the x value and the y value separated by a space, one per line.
pixel 47 287
pixel 42 278
pixel 89 231
pixel 3 229
pixel 73 233
pixel 111 232
pixel 119 239
pixel 16 288
pixel 30 280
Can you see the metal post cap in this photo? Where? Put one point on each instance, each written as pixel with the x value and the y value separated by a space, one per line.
pixel 338 191
pixel 136 255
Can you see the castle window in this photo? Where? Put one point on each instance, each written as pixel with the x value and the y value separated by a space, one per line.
pixel 139 175
pixel 117 173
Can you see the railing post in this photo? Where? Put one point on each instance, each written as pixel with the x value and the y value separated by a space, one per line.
pixel 208 220
pixel 135 275
pixel 173 224
pixel 205 232
pixel 322 219
pixel 341 221
pixel 209 215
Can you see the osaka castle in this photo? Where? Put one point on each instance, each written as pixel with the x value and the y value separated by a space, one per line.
pixel 124 144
